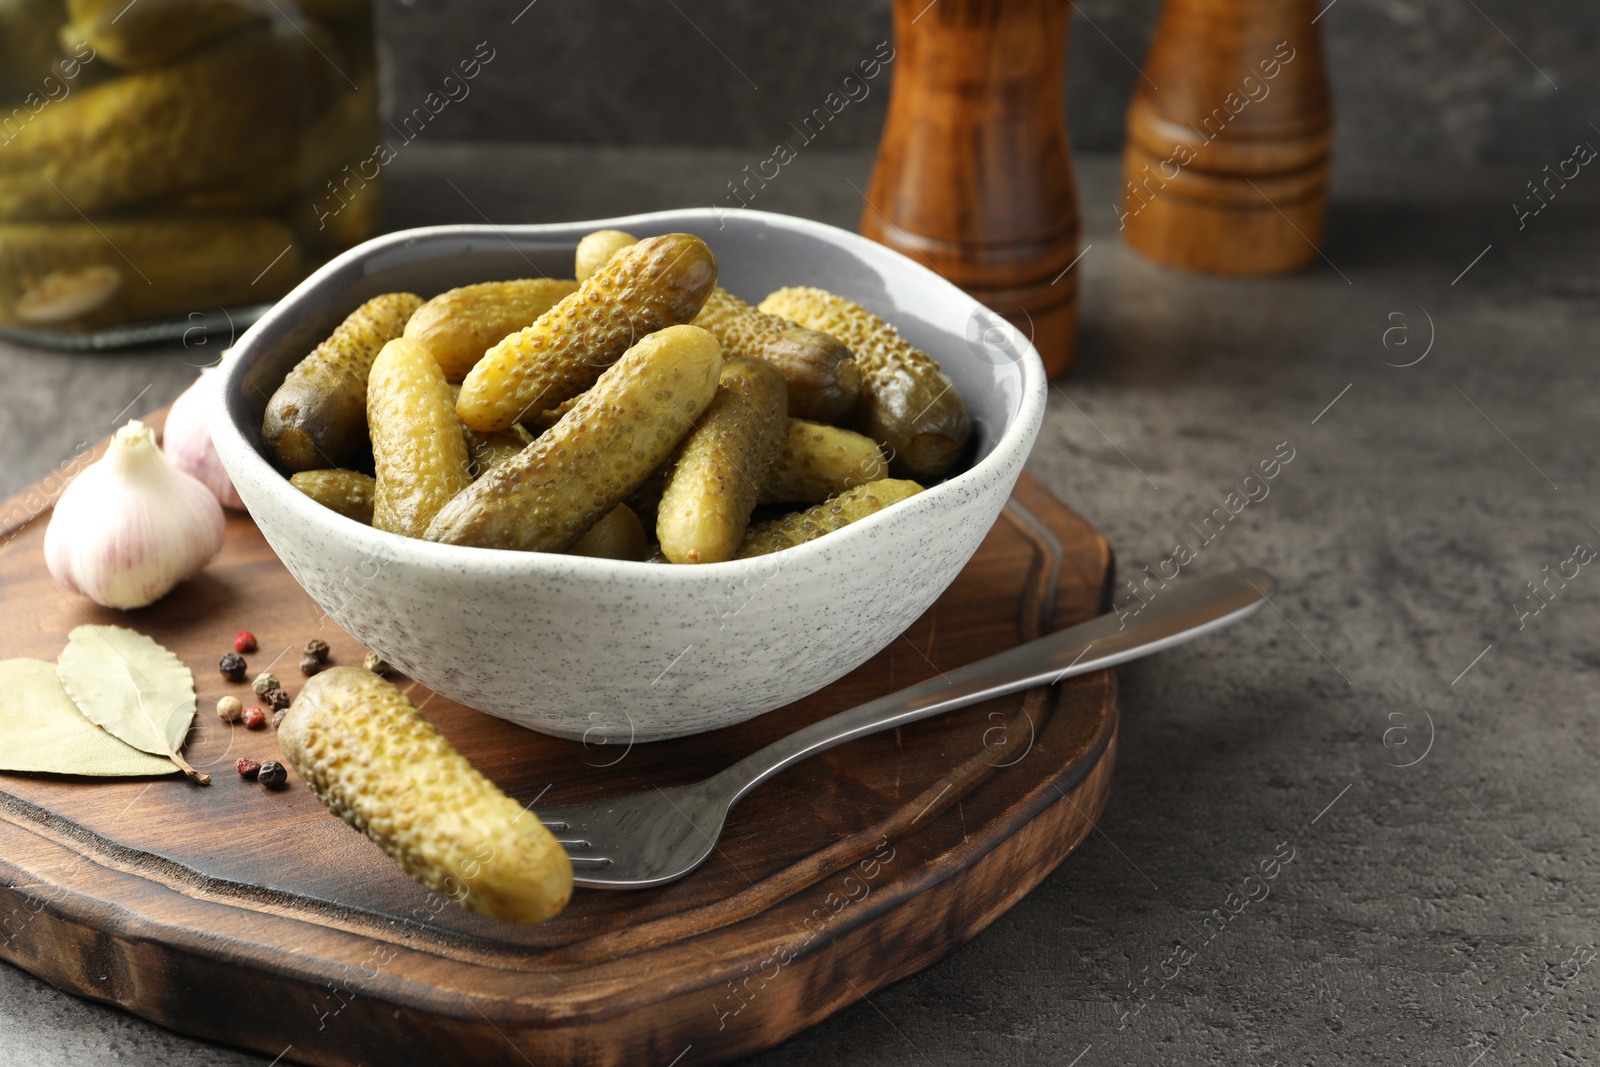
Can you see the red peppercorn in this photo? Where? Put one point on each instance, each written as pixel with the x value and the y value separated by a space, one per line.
pixel 244 641
pixel 254 718
pixel 248 768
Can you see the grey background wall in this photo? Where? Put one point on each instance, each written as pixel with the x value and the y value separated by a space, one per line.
pixel 1465 81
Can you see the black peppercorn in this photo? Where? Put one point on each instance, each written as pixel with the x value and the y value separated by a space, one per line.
pixel 310 665
pixel 272 775
pixel 279 699
pixel 277 718
pixel 232 667
pixel 317 649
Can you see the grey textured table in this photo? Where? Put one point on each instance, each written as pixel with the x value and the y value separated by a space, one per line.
pixel 1400 723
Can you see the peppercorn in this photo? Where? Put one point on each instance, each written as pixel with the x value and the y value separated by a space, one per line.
pixel 232 667
pixel 264 683
pixel 277 718
pixel 254 718
pixel 279 699
pixel 310 665
pixel 318 649
pixel 376 664
pixel 229 709
pixel 248 768
pixel 244 641
pixel 272 775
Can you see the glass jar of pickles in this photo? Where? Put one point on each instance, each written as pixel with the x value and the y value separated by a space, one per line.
pixel 161 161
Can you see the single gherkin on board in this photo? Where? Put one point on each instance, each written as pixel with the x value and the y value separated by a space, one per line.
pixel 907 403
pixel 417 445
pixel 717 474
pixel 318 417
pixel 622 430
pixel 370 756
pixel 852 505
pixel 657 283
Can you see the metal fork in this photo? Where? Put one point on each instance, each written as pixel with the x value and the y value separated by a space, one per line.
pixel 650 838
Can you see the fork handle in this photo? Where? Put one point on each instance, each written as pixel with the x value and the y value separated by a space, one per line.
pixel 1169 618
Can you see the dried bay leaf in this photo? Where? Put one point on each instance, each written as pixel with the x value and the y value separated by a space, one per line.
pixel 42 730
pixel 133 687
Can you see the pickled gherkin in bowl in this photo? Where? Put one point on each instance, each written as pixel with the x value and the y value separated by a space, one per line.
pixel 164 160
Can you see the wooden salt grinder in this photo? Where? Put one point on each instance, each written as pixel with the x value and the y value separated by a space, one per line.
pixel 974 172
pixel 1241 94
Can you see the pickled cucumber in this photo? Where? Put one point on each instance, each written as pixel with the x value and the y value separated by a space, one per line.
pixel 818 461
pixel 824 382
pixel 318 416
pixel 596 250
pixel 607 445
pixel 459 326
pixel 370 756
pixel 907 403
pixel 148 34
pixel 80 274
pixel 656 283
pixel 347 492
pixel 488 450
pixel 27 46
pixel 718 474
pixel 417 445
pixel 852 505
pixel 220 117
pixel 620 535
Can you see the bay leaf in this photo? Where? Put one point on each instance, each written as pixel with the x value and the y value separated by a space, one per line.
pixel 42 730
pixel 133 687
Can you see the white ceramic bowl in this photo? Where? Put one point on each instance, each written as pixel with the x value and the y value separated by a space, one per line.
pixel 608 650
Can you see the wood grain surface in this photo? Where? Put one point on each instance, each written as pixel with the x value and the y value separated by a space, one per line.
pixel 974 171
pixel 1226 164
pixel 258 919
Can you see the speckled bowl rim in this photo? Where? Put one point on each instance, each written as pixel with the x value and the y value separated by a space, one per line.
pixel 234 446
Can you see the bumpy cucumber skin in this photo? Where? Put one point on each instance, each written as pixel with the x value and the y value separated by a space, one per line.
pixel 907 403
pixel 621 431
pixel 620 535
pixel 659 282
pixel 372 758
pixel 347 492
pixel 460 325
pixel 717 475
pixel 318 417
pixel 818 461
pixel 849 506
pixel 418 448
pixel 824 381
pixel 596 250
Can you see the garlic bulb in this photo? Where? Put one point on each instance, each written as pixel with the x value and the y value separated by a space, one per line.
pixel 187 439
pixel 131 526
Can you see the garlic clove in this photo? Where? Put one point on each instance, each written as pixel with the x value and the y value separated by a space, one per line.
pixel 186 440
pixel 131 526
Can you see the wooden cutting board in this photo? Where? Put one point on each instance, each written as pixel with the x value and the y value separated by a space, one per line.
pixel 258 919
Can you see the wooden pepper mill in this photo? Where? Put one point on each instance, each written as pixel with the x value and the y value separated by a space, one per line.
pixel 1226 165
pixel 974 172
